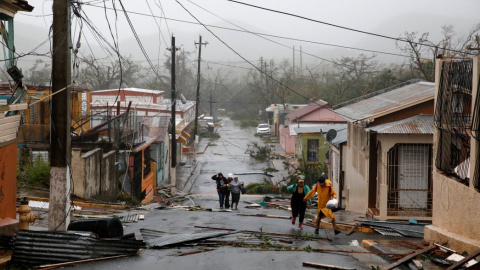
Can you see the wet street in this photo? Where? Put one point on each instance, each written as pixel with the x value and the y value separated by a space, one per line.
pixel 229 154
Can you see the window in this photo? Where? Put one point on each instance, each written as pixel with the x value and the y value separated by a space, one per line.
pixel 452 118
pixel 312 150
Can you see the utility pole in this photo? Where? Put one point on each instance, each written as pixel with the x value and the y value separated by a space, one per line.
pixel 197 102
pixel 173 140
pixel 59 210
pixel 301 63
pixel 293 61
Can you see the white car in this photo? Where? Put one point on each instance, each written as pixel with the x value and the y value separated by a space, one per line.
pixel 263 129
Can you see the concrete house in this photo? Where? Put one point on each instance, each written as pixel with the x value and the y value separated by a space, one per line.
pixel 314 114
pixel 389 152
pixel 456 176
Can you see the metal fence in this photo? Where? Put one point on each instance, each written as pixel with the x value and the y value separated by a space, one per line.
pixel 453 118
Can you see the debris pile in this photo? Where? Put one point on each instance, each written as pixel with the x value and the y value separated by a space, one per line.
pixel 39 248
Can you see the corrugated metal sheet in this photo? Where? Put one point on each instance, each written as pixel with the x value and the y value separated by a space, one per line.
pixel 46 247
pixel 408 230
pixel 387 232
pixel 164 240
pixel 419 124
pixel 382 101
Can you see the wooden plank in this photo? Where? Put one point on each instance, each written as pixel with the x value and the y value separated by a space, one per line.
pixel 353 228
pixel 465 260
pixel 8 138
pixel 8 131
pixel 82 204
pixel 10 119
pixel 58 265
pixel 412 244
pixel 409 257
pixel 326 266
pixel 18 107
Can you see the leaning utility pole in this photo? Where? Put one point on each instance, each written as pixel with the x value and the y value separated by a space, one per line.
pixel 173 140
pixel 59 210
pixel 197 102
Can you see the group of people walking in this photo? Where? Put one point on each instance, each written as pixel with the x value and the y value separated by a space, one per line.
pixel 227 186
pixel 301 193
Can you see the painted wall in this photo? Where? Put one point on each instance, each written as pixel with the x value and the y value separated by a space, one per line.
pixel 356 185
pixel 8 181
pixel 286 141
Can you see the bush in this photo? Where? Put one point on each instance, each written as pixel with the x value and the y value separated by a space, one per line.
pixel 36 173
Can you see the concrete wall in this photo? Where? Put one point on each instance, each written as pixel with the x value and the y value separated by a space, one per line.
pixel 95 174
pixel 356 185
pixel 92 172
pixel 78 172
pixel 455 219
pixel 109 174
pixel 455 206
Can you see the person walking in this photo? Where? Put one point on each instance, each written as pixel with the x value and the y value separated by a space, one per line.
pixel 221 186
pixel 226 191
pixel 325 193
pixel 298 205
pixel 235 188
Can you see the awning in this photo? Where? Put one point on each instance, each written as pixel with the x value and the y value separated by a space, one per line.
pixel 185 134
pixel 181 139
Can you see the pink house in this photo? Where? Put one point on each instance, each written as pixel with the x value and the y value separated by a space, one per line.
pixel 319 112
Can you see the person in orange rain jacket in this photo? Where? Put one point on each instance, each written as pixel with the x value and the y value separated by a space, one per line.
pixel 325 193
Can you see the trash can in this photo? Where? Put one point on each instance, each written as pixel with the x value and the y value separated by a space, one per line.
pixel 104 227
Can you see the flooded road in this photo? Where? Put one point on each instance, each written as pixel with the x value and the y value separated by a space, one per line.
pixel 228 154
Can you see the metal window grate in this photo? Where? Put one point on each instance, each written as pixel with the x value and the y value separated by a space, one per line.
pixel 453 118
pixel 409 178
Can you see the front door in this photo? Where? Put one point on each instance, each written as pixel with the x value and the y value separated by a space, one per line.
pixel 413 176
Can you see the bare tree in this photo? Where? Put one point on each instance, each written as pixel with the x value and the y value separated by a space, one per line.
pixel 39 74
pixel 423 51
pixel 97 75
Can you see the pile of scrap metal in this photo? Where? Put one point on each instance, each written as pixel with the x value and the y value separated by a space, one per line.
pixel 39 248
pixel 396 228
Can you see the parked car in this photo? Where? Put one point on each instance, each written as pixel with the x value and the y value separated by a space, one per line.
pixel 210 123
pixel 263 129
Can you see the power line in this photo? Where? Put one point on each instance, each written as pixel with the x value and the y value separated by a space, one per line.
pixel 347 28
pixel 263 34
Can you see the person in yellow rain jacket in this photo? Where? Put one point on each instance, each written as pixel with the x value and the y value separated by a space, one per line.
pixel 325 193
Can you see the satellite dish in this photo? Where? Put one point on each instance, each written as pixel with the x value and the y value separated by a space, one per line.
pixel 331 134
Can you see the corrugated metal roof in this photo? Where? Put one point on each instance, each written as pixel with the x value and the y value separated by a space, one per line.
pixel 385 101
pixel 47 247
pixel 340 138
pixel 308 109
pixel 418 124
pixel 164 240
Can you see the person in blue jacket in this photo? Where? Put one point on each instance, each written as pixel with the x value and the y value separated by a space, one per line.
pixel 298 190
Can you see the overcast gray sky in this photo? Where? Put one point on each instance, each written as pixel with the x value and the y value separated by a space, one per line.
pixel 384 17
